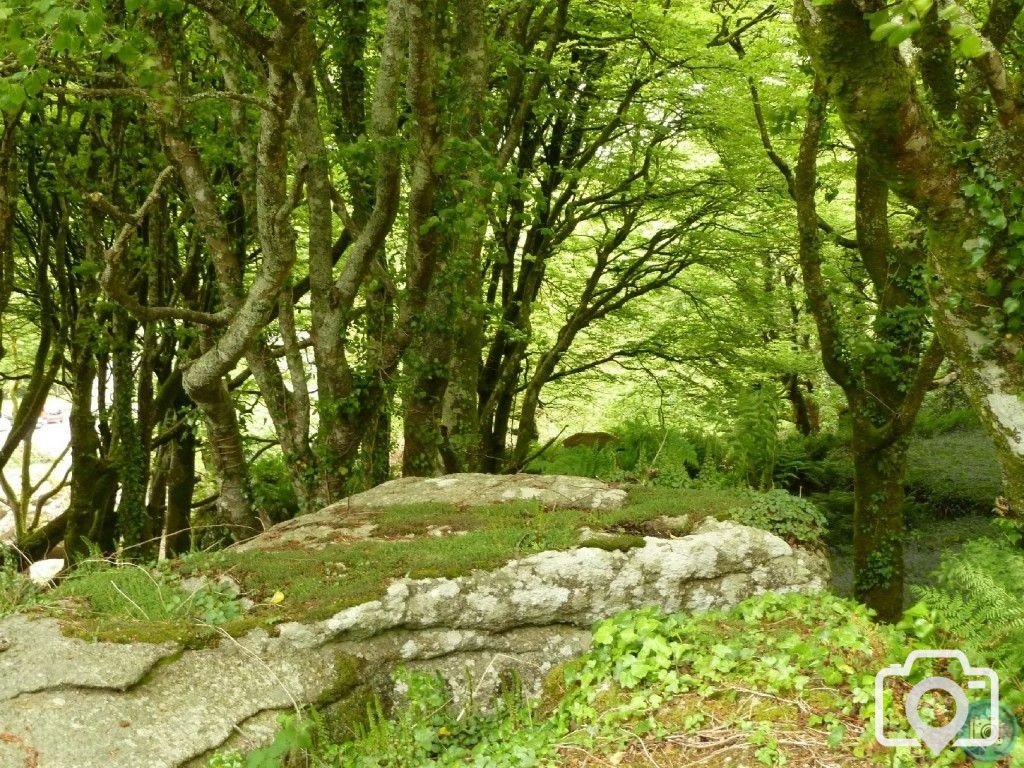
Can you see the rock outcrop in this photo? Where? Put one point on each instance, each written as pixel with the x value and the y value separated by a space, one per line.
pixel 349 520
pixel 67 703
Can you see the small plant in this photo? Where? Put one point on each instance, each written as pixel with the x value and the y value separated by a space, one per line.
pixel 294 738
pixel 272 490
pixel 428 731
pixel 791 517
pixel 149 594
pixel 17 591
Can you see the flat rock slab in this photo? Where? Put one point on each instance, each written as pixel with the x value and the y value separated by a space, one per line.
pixel 39 657
pixel 351 519
pixel 116 705
pixel 477 490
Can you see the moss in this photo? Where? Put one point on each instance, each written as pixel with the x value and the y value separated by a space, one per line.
pixel 348 717
pixel 614 542
pixel 553 688
pixel 347 676
pixel 645 504
pixel 113 629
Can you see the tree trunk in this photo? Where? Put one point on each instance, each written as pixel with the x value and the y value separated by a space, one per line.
pixel 884 113
pixel 228 456
pixel 878 521
pixel 990 366
pixel 181 482
pixel 805 410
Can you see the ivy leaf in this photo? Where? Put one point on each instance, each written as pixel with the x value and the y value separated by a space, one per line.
pixel 882 31
pixel 996 219
pixel 976 244
pixel 921 7
pixel 94 23
pixel 904 33
pixel 12 97
pixel 970 47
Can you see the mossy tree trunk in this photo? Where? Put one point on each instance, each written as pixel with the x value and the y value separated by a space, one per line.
pixel 879 469
pixel 883 385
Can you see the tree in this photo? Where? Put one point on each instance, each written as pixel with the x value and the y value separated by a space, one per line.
pixel 950 144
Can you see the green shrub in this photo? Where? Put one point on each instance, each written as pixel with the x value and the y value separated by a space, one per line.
pixel 814 463
pixel 644 453
pixel 272 490
pixel 666 457
pixel 754 435
pixel 578 461
pixel 790 517
pixel 837 506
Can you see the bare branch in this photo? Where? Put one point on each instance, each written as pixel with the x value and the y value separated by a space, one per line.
pixel 113 281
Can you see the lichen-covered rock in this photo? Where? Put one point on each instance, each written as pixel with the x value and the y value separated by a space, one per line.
pixel 716 566
pixel 67 703
pixel 351 519
pixel 473 490
pixel 95 705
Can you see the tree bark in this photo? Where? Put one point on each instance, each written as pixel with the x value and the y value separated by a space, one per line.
pixel 181 482
pixel 878 473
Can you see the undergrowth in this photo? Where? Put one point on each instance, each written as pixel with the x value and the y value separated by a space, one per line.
pixel 780 680
pixel 17 591
pixel 977 604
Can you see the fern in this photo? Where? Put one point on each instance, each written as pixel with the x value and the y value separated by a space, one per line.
pixel 978 597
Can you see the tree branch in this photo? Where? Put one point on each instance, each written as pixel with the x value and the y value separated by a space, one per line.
pixel 113 281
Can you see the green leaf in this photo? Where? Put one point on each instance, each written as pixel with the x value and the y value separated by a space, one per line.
pixel 970 47
pixel 836 735
pixel 884 30
pixel 904 33
pixel 976 244
pixel 35 80
pixel 921 7
pixel 996 219
pixel 12 97
pixel 93 23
